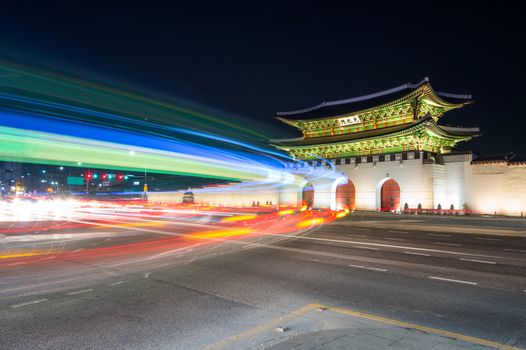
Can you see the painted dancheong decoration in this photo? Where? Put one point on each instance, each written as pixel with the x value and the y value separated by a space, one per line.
pixel 401 119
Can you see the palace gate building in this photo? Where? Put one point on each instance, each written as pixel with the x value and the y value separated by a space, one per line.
pixel 389 150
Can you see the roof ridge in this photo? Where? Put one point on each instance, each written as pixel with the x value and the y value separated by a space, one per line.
pixel 447 94
pixel 359 98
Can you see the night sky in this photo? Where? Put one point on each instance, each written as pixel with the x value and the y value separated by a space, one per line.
pixel 256 58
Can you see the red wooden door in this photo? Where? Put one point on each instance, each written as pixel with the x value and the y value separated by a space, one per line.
pixel 390 196
pixel 345 196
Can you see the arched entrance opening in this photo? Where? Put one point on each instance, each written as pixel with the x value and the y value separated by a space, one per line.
pixel 390 196
pixel 307 195
pixel 345 195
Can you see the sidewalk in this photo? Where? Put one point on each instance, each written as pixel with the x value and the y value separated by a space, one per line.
pixel 435 223
pixel 317 327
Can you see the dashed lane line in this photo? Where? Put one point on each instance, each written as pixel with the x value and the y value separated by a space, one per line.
pixel 419 254
pixel 368 248
pixel 29 303
pixel 80 291
pixel 49 257
pixel 382 245
pixel 78 250
pixel 515 250
pixel 448 244
pixel 479 261
pixel 368 268
pixel 452 280
pixel 118 283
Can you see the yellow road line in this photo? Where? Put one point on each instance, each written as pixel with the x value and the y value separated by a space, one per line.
pixel 306 309
pixel 22 255
pixel 431 330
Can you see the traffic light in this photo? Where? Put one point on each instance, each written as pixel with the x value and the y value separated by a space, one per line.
pixel 95 176
pixel 89 176
pixel 125 177
pixel 104 176
pixel 120 177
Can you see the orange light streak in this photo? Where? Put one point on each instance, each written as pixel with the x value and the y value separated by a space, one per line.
pixel 221 233
pixel 239 218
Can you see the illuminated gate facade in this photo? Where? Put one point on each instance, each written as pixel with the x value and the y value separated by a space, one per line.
pixel 390 196
pixel 394 133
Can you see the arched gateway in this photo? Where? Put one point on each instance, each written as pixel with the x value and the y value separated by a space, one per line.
pixel 345 195
pixel 307 195
pixel 390 196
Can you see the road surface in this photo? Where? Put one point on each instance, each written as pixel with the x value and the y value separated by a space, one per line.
pixel 219 292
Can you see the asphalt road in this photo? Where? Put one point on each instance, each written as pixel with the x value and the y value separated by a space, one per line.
pixel 195 295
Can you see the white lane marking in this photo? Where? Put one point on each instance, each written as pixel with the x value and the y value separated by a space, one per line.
pixel 452 280
pixel 206 256
pixel 437 235
pixel 80 291
pixel 17 263
pixel 29 303
pixel 188 262
pixel 316 260
pixel 394 231
pixel 117 283
pixel 383 245
pixel 94 244
pixel 367 268
pixel 394 239
pixel 479 261
pixel 413 253
pixel 448 244
pixel 489 239
pixel 368 248
pixel 49 257
pixel 78 250
pixel 515 250
pixel 147 275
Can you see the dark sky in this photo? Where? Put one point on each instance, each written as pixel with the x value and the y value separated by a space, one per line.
pixel 254 58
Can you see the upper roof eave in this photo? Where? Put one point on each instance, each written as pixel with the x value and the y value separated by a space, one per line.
pixel 444 131
pixel 370 101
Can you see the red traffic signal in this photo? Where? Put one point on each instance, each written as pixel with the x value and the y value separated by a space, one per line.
pixel 120 177
pixel 89 176
pixel 104 176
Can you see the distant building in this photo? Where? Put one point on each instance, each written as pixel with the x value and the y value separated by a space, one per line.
pixel 188 197
pixel 388 151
